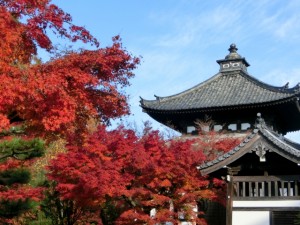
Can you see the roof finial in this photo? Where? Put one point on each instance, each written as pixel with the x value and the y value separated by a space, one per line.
pixel 233 52
pixel 232 48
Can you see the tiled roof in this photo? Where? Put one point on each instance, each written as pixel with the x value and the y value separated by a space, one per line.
pixel 230 153
pixel 282 146
pixel 225 89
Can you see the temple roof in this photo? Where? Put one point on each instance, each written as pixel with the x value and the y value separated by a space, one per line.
pixel 261 139
pixel 223 90
pixel 232 86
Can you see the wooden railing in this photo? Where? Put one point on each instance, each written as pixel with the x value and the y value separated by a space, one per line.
pixel 266 186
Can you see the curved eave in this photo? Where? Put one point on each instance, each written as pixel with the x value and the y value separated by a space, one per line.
pixel 220 108
pixel 282 89
pixel 279 89
pixel 197 95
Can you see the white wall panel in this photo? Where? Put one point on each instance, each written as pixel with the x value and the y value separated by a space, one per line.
pixel 250 218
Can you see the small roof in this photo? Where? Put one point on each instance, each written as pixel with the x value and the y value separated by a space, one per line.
pixel 232 86
pixel 253 142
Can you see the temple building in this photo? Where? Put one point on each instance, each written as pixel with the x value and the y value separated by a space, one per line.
pixel 263 171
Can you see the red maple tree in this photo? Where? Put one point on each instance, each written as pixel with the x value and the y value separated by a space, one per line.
pixel 52 99
pixel 146 179
pixel 58 96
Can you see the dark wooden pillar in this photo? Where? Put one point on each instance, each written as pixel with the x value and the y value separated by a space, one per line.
pixel 229 199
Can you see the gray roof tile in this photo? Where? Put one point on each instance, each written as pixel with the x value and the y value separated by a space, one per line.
pixel 225 89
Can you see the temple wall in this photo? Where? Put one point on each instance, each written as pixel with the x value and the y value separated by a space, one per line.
pixel 257 212
pixel 250 217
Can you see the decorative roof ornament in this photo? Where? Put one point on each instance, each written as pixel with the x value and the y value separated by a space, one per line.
pixel 233 52
pixel 233 61
pixel 260 122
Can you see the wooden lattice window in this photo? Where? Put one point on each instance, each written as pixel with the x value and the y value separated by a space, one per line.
pixel 284 217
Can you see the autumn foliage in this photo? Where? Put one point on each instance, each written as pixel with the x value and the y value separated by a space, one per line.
pixel 106 177
pixel 61 95
pixel 149 180
pixel 54 99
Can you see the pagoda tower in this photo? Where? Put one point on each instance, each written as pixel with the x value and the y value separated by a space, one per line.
pixel 263 171
pixel 232 96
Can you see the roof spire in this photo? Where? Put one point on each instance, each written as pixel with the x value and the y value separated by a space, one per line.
pixel 233 61
pixel 233 52
pixel 232 48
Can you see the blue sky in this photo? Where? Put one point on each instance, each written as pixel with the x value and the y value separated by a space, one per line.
pixel 180 40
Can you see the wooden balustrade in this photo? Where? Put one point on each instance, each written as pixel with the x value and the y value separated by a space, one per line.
pixel 266 186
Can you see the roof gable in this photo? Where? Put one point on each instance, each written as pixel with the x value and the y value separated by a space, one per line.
pixel 261 140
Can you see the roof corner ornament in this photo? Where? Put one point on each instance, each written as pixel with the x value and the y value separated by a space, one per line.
pixel 141 101
pixel 286 86
pixel 157 97
pixel 260 122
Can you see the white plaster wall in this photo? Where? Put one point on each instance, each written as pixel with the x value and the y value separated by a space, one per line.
pixel 250 217
pixel 281 203
pixel 256 217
